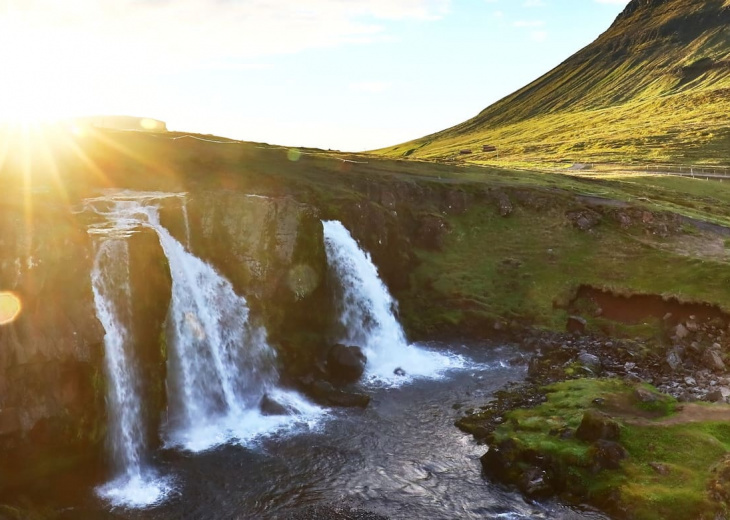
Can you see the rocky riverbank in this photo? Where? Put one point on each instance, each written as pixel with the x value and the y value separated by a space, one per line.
pixel 602 421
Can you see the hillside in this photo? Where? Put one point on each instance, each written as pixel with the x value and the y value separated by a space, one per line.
pixel 654 87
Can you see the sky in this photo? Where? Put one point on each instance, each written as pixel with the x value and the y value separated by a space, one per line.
pixel 335 74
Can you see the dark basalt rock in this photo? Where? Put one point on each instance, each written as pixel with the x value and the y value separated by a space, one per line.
pixel 606 454
pixel 500 462
pixel 535 483
pixel 345 364
pixel 597 426
pixel 576 324
pixel 269 406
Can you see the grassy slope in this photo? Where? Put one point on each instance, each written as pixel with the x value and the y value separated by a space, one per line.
pixel 654 87
pixel 490 267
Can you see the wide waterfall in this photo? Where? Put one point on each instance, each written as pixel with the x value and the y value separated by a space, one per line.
pixel 367 315
pixel 220 366
pixel 136 485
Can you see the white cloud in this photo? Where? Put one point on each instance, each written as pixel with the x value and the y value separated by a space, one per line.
pixel 372 87
pixel 159 34
pixel 539 36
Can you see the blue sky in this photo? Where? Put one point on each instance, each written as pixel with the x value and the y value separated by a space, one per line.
pixel 340 74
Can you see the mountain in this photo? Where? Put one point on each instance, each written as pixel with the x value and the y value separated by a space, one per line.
pixel 654 87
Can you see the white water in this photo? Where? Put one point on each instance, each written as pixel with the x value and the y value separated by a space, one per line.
pixel 135 484
pixel 219 365
pixel 367 315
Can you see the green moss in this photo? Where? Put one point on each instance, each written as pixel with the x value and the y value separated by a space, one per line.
pixel 670 468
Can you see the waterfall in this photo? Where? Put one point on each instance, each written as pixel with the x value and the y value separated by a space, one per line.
pixel 367 314
pixel 220 366
pixel 135 485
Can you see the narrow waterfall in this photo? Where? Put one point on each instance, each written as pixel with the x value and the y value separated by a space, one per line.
pixel 135 485
pixel 367 315
pixel 220 366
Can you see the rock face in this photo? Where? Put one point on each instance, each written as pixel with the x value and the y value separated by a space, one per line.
pixel 49 356
pixel 270 248
pixel 53 382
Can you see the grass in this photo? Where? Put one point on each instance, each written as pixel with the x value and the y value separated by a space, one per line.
pixel 520 267
pixel 689 455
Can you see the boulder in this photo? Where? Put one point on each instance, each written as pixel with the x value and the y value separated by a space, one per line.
pixel 345 364
pixel 590 361
pixel 674 361
pixel 576 324
pixel 642 395
pixel 535 483
pixel 596 425
pixel 712 360
pixel 605 454
pixel 715 396
pixel 681 331
pixel 501 461
pixel 269 406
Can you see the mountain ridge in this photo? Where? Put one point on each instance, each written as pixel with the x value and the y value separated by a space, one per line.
pixel 663 56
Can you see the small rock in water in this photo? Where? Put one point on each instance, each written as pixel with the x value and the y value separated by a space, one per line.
pixel 269 406
pixel 399 372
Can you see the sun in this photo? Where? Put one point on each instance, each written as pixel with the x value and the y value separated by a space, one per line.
pixel 51 70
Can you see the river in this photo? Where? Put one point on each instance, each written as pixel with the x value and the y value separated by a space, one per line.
pixel 401 458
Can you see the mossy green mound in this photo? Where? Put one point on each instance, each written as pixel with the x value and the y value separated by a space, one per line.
pixel 670 463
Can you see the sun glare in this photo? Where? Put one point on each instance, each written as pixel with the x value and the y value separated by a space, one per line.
pixel 10 307
pixel 36 87
pixel 50 73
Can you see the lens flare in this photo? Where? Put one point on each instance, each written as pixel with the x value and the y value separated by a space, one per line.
pixel 293 154
pixel 10 307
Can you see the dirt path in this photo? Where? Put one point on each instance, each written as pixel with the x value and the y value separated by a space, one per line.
pixel 689 413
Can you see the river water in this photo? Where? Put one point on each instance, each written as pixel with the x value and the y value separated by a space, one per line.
pixel 402 457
